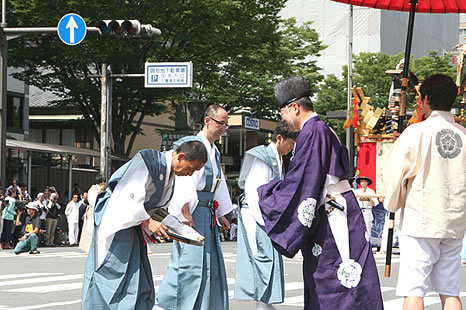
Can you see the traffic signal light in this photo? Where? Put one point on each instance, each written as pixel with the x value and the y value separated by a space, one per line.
pixel 129 28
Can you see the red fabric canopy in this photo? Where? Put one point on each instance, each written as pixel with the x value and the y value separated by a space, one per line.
pixel 423 6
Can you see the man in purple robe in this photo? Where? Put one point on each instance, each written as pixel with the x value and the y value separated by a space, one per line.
pixel 339 268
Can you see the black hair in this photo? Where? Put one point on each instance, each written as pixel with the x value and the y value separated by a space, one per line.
pixel 305 103
pixel 211 111
pixel 440 90
pixel 194 150
pixel 99 179
pixel 283 130
pixel 11 191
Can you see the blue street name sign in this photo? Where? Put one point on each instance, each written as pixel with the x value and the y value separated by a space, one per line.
pixel 71 29
pixel 168 74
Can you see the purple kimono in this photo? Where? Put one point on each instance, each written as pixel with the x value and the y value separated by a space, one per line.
pixel 318 155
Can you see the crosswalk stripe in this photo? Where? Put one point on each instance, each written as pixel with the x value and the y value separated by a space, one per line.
pixel 47 288
pixel 39 280
pixel 46 306
pixel 26 275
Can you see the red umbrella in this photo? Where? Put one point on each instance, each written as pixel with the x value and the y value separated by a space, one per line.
pixel 413 6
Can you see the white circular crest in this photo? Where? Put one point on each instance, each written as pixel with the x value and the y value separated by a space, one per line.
pixel 349 273
pixel 306 211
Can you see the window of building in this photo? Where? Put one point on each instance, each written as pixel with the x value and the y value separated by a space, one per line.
pixel 14 110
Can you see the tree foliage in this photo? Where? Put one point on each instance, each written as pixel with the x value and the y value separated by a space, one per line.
pixel 239 48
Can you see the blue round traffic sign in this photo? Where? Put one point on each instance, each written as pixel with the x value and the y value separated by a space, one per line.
pixel 71 29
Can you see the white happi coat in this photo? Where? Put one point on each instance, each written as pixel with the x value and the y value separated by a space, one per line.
pixel 426 177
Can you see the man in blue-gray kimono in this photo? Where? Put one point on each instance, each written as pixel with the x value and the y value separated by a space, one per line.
pixel 196 276
pixel 118 273
pixel 259 267
pixel 339 268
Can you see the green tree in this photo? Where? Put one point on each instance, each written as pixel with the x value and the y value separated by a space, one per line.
pixel 239 49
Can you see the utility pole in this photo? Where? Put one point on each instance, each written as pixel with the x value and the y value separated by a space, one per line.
pixel 349 131
pixel 106 122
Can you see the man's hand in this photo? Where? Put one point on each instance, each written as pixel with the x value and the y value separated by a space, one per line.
pixel 186 216
pixel 157 228
pixel 224 224
pixel 23 238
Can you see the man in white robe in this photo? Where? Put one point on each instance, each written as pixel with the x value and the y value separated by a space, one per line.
pixel 259 267
pixel 366 200
pixel 118 273
pixel 425 176
pixel 72 217
pixel 196 277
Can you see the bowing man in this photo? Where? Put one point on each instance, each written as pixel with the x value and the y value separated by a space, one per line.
pixel 339 268
pixel 118 272
pixel 259 267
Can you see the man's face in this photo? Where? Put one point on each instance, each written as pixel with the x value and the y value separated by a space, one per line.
pixel 31 212
pixel 287 112
pixel 284 146
pixel 75 198
pixel 218 124
pixel 183 167
pixel 363 183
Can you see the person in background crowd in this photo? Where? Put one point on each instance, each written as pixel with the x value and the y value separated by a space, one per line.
pixel 9 215
pixel 2 207
pixel 24 193
pixel 83 204
pixel 30 237
pixel 42 206
pixel 72 217
pixel 51 219
pixel 233 229
pixel 19 225
pixel 14 186
pixel 88 222
pixel 366 201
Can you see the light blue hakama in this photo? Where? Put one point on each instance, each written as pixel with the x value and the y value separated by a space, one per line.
pixel 260 277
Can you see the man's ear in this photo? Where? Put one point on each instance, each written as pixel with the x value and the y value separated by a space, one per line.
pixel 181 156
pixel 279 138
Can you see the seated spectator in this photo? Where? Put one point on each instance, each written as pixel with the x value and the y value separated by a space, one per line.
pixel 30 237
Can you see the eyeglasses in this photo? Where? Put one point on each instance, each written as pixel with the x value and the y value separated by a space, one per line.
pixel 223 124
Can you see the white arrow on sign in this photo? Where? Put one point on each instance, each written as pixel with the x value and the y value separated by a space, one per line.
pixel 71 25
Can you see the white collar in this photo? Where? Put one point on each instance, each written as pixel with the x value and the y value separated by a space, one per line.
pixel 206 141
pixel 168 158
pixel 313 114
pixel 279 158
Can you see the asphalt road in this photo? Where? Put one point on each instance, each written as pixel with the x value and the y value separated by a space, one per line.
pixel 53 279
